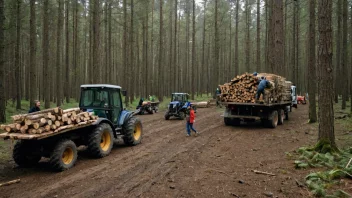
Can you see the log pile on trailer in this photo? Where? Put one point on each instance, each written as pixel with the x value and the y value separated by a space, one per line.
pixel 243 88
pixel 49 120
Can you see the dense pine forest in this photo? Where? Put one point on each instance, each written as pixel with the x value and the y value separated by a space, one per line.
pixel 155 47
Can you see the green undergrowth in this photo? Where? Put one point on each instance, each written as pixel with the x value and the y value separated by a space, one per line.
pixel 332 166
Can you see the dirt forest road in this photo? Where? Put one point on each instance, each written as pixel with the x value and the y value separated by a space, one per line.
pixel 217 163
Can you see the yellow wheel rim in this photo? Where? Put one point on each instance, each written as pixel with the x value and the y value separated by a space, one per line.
pixel 105 141
pixel 67 156
pixel 137 131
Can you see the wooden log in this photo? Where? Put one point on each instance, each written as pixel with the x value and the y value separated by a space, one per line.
pixel 84 114
pixel 57 123
pixel 18 127
pixel 64 117
pixel 21 117
pixel 68 122
pixel 82 123
pixel 36 125
pixel 2 127
pixel 47 128
pixel 53 127
pixel 24 129
pixel 40 130
pixel 49 122
pixel 10 182
pixel 72 109
pixel 63 128
pixel 32 131
pixel 10 127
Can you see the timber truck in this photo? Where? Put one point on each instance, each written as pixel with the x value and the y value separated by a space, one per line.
pixel 61 147
pixel 272 111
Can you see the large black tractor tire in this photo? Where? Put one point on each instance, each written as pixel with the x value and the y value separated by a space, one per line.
pixel 64 155
pixel 273 119
pixel 281 114
pixel 182 115
pixel 227 121
pixel 133 131
pixel 26 154
pixel 156 109
pixel 167 116
pixel 101 140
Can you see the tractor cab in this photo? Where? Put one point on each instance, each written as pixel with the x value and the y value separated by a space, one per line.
pixel 179 97
pixel 103 100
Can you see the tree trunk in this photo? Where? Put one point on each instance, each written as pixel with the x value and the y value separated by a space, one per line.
pixel 125 64
pixel 247 40
pixel 236 62
pixel 325 74
pixel 194 64
pixel 67 55
pixel 2 63
pixel 338 52
pixel 17 55
pixel 46 53
pixel 215 77
pixel 278 28
pixel 160 85
pixel 258 36
pixel 96 41
pixel 58 56
pixel 132 67
pixel 344 55
pixel 32 55
pixel 311 64
pixel 204 89
pixel 175 65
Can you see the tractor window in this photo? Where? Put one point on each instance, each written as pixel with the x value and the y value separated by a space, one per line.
pixel 116 100
pixel 94 98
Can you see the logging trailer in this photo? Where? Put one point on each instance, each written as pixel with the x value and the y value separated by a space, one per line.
pixel 270 114
pixel 61 147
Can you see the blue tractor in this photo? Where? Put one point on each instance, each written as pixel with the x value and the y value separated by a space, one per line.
pixel 177 106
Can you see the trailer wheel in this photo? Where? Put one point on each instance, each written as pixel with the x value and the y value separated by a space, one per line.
pixel 150 110
pixel 227 121
pixel 133 131
pixel 26 154
pixel 281 115
pixel 167 116
pixel 286 114
pixel 64 155
pixel 273 119
pixel 156 109
pixel 100 141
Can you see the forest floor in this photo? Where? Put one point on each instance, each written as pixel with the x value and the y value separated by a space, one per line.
pixel 217 163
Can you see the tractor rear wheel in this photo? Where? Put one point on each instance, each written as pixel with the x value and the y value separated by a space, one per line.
pixel 182 115
pixel 132 131
pixel 167 116
pixel 64 155
pixel 101 140
pixel 26 154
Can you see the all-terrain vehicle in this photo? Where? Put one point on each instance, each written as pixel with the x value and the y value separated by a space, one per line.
pixel 61 147
pixel 147 107
pixel 177 106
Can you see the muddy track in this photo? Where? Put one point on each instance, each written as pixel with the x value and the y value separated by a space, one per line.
pixel 168 163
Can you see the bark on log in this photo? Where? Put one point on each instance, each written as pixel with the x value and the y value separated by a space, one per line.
pixel 63 128
pixel 21 117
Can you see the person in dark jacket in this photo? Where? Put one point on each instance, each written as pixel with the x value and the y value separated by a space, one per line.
pixel 35 107
pixel 262 85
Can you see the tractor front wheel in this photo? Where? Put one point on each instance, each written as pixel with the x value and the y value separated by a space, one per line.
pixel 132 131
pixel 182 115
pixel 101 140
pixel 167 116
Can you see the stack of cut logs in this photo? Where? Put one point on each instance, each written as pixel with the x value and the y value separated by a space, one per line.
pixel 243 88
pixel 49 120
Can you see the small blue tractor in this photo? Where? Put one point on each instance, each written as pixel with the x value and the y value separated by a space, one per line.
pixel 177 106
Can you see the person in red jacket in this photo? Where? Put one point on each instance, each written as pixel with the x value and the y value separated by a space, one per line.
pixel 190 121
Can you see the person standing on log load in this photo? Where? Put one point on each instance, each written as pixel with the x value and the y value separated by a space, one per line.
pixel 263 83
pixel 36 107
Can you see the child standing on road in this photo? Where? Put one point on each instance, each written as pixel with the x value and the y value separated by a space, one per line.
pixel 190 117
